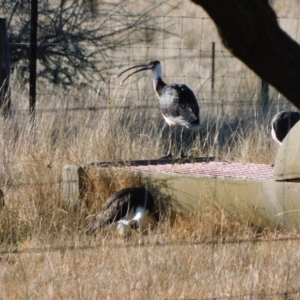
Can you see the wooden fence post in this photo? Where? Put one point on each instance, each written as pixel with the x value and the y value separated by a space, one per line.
pixel 5 99
pixel 73 185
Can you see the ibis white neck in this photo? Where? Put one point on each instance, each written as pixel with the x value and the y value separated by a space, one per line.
pixel 157 72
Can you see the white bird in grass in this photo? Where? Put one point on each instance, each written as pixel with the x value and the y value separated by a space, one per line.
pixel 282 123
pixel 177 102
pixel 123 211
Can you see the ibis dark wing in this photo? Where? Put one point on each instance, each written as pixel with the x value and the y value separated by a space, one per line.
pixel 178 100
pixel 125 199
pixel 119 204
pixel 116 207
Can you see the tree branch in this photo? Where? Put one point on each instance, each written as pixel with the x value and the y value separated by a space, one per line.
pixel 249 29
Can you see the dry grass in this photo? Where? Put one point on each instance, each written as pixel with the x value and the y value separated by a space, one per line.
pixel 44 253
pixel 170 261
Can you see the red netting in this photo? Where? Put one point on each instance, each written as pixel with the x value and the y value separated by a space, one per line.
pixel 213 169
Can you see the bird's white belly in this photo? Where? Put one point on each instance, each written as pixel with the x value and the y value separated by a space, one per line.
pixel 140 214
pixel 122 226
pixel 169 121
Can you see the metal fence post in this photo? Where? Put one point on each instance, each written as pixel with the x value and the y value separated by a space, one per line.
pixel 33 57
pixel 213 71
pixel 265 101
pixel 5 97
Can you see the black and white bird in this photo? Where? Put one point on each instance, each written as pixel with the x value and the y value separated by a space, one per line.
pixel 282 123
pixel 123 211
pixel 177 102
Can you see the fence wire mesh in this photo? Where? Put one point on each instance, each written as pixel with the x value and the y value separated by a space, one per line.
pixel 185 46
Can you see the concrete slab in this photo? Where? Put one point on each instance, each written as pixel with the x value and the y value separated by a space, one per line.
pixel 287 164
pixel 246 191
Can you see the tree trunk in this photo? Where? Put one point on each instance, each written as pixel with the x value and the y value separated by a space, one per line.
pixel 5 100
pixel 249 29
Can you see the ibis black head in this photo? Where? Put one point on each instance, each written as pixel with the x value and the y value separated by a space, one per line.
pixel 148 66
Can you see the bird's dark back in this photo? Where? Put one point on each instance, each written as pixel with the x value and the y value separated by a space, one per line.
pixel 176 98
pixel 284 123
pixel 120 203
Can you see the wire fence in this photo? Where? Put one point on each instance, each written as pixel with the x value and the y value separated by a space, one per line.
pixel 147 245
pixel 192 53
pixel 215 91
pixel 287 293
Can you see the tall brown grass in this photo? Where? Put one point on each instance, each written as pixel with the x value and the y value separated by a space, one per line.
pixel 44 253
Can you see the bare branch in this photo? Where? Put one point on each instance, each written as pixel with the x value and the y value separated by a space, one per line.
pixel 71 40
pixel 249 29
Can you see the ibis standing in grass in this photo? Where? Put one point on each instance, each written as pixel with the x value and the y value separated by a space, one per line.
pixel 123 211
pixel 282 123
pixel 177 102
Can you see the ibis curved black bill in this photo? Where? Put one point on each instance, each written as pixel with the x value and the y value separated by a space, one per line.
pixel 143 67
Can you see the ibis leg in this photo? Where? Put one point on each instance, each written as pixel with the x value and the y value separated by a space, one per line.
pixel 181 155
pixel 169 155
